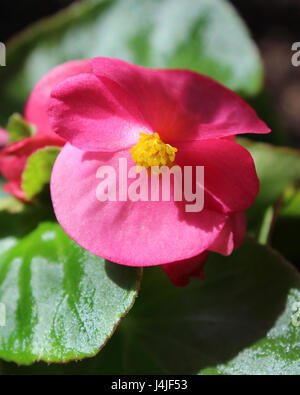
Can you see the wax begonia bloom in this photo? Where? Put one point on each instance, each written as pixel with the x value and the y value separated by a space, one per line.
pixel 3 137
pixel 106 116
pixel 13 160
pixel 14 157
pixel 36 108
pixel 181 272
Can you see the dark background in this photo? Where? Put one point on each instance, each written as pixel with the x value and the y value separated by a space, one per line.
pixel 274 24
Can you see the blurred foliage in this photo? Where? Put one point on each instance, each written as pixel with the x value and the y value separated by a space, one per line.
pixel 38 171
pixel 277 168
pixel 210 38
pixel 18 128
pixel 265 108
pixel 285 233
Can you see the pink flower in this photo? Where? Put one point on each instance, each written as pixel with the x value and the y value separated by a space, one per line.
pixel 14 157
pixel 101 115
pixel 3 137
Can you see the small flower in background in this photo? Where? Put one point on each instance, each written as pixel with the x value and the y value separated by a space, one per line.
pixel 3 137
pixel 34 132
pixel 102 114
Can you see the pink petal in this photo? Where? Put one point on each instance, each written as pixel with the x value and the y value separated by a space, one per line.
pixel 232 235
pixel 181 105
pixel 13 160
pixel 94 115
pixel 36 107
pixel 179 273
pixel 141 233
pixel 3 137
pixel 14 189
pixel 231 182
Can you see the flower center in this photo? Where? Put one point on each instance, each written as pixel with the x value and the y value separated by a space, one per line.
pixel 152 151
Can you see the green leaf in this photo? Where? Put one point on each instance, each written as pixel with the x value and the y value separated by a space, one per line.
pixel 236 321
pixel 244 305
pixel 62 302
pixel 38 171
pixel 17 222
pixel 18 128
pixel 290 205
pixel 207 36
pixel 11 205
pixel 277 169
pixel 18 219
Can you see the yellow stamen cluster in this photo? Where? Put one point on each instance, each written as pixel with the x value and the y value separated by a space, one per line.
pixel 152 151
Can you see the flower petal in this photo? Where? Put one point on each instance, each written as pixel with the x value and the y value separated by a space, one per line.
pixel 95 116
pixel 37 104
pixel 179 273
pixel 141 233
pixel 14 188
pixel 232 235
pixel 3 137
pixel 230 179
pixel 181 105
pixel 13 159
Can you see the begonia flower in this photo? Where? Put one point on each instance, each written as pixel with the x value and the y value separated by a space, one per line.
pixel 3 137
pixel 150 118
pixel 13 158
